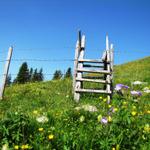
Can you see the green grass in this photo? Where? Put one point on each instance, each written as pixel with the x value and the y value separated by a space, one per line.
pixel 73 129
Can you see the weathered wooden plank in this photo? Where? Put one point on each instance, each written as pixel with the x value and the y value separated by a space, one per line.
pixel 6 69
pixel 92 66
pixel 92 91
pixel 92 80
pixel 93 71
pixel 75 64
pixel 80 65
pixel 91 60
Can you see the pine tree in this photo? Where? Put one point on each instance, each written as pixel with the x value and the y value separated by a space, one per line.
pixel 35 76
pixel 57 75
pixel 68 73
pixel 40 75
pixel 31 74
pixel 23 74
pixel 8 80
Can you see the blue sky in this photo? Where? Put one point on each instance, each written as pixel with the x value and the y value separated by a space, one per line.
pixel 47 29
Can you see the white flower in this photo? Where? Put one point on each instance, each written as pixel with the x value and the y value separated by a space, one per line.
pixel 42 119
pixel 5 147
pixel 89 108
pixel 137 83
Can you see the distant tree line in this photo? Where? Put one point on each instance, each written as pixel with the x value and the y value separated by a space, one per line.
pixel 33 75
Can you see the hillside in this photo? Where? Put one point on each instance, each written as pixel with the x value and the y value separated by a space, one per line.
pixel 43 115
pixel 138 70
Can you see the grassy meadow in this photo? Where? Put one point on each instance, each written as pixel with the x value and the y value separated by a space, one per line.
pixel 44 116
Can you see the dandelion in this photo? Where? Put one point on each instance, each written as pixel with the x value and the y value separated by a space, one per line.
pixel 16 147
pixel 109 119
pixel 105 99
pixel 99 117
pixel 109 106
pixel 104 120
pixel 147 128
pixel 35 112
pixel 133 113
pixel 134 107
pixel 26 146
pixel 115 109
pixel 40 129
pixel 124 103
pixel 148 111
pixel 100 97
pixel 113 148
pixel 51 136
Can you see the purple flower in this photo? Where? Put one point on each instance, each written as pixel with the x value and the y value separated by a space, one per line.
pixel 136 93
pixel 120 87
pixel 104 120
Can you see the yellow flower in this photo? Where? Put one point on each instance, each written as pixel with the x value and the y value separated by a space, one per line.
pixel 109 119
pixel 147 128
pixel 99 117
pixel 51 136
pixel 16 147
pixel 133 113
pixel 105 99
pixel 23 147
pixel 115 109
pixel 109 106
pixel 40 129
pixel 148 111
pixel 113 148
pixel 100 97
pixel 124 103
pixel 134 107
pixel 35 112
pixel 26 146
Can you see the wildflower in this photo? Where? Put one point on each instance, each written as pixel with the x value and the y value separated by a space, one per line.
pixel 42 119
pixel 16 147
pixel 23 147
pixel 26 146
pixel 40 129
pixel 105 99
pixel 100 97
pixel 5 147
pixel 89 108
pixel 147 128
pixel 35 112
pixel 82 118
pixel 148 111
pixel 120 87
pixel 113 148
pixel 109 106
pixel 99 118
pixel 104 120
pixel 133 113
pixel 115 109
pixel 124 103
pixel 109 119
pixel 136 93
pixel 134 107
pixel 137 83
pixel 51 136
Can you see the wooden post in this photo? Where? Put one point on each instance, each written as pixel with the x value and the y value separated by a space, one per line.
pixel 6 69
pixel 80 66
pixel 112 65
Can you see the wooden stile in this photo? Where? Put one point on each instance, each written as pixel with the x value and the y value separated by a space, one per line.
pixel 105 69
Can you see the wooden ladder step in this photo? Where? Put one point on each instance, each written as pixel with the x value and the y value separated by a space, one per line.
pixel 93 66
pixel 92 91
pixel 91 60
pixel 92 80
pixel 93 71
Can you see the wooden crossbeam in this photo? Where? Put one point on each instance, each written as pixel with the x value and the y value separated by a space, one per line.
pixel 92 66
pixel 93 80
pixel 93 71
pixel 92 91
pixel 92 60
